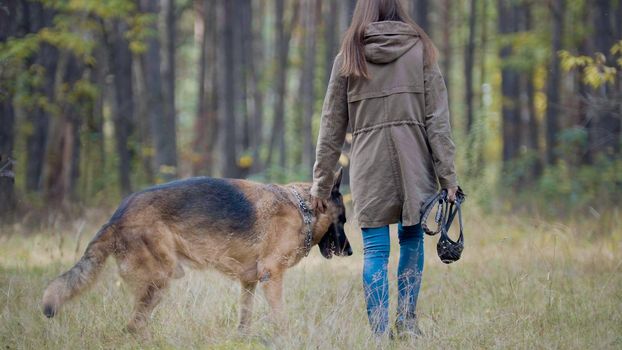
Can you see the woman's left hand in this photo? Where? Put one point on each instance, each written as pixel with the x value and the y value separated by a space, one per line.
pixel 318 204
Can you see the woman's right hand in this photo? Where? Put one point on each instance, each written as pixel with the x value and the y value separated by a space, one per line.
pixel 451 194
pixel 318 204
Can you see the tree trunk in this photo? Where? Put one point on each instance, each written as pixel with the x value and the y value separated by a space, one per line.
pixel 243 52
pixel 604 134
pixel 38 118
pixel 199 148
pixel 351 5
pixel 94 155
pixel 121 68
pixel 330 36
pixel 8 28
pixel 447 46
pixel 7 174
pixel 206 122
pixel 255 63
pixel 228 116
pixel 531 128
pixel 283 36
pixel 161 124
pixel 553 82
pixel 510 86
pixel 420 11
pixel 484 44
pixel 307 80
pixel 62 151
pixel 167 68
pixel 143 124
pixel 469 62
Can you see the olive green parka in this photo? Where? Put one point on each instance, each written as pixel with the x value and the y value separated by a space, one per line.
pixel 402 147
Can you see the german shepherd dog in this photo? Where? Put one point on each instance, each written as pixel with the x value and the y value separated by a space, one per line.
pixel 247 230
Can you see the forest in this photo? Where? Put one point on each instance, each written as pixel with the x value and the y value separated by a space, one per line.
pixel 103 98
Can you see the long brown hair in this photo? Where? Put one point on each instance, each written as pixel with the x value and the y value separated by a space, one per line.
pixel 366 12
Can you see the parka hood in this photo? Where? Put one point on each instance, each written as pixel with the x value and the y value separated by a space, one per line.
pixel 388 40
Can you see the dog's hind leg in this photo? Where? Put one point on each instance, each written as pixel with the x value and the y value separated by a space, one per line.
pixel 146 301
pixel 247 295
pixel 147 265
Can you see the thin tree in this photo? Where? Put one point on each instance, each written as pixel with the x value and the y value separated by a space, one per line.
pixel 606 125
pixel 62 154
pixel 243 52
pixel 331 18
pixel 510 85
pixel 36 17
pixel 307 90
pixel 228 112
pixel 446 46
pixel 168 157
pixel 206 122
pixel 255 64
pixel 530 128
pixel 351 4
pixel 121 68
pixel 283 36
pixel 420 10
pixel 200 151
pixel 469 62
pixel 8 28
pixel 557 8
pixel 162 126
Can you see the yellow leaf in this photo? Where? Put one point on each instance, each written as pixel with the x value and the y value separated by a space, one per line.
pixel 344 160
pixel 245 161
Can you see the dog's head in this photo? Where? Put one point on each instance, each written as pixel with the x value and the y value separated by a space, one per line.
pixel 335 240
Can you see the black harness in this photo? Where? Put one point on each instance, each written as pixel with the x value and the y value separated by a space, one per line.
pixel 447 249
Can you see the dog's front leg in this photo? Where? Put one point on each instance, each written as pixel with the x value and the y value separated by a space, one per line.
pixel 273 289
pixel 247 295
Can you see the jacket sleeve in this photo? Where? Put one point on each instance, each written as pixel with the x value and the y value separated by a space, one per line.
pixel 438 128
pixel 332 134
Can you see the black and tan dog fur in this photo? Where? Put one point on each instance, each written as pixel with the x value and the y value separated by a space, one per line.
pixel 247 230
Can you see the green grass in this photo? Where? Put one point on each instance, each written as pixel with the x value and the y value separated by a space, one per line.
pixel 520 284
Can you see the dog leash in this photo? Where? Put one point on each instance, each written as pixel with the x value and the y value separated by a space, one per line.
pixel 307 217
pixel 447 249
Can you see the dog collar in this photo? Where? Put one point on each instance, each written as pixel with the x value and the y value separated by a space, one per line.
pixel 307 217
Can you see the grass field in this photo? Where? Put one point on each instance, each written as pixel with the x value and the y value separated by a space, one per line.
pixel 522 283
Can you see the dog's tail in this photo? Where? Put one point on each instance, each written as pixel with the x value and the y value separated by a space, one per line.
pixel 82 274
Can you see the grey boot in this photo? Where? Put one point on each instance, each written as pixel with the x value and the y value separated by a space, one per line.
pixel 407 326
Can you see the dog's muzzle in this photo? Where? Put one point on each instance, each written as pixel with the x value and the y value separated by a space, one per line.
pixel 447 249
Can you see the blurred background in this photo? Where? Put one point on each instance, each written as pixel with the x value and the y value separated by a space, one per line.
pixel 102 98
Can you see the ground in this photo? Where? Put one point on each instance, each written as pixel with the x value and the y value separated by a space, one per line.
pixel 522 283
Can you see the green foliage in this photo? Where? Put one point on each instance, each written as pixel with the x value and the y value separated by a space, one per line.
pixel 14 49
pixel 529 49
pixel 569 187
pixel 140 30
pixel 586 186
pixel 104 9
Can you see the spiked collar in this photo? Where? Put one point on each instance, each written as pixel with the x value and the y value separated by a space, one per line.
pixel 307 218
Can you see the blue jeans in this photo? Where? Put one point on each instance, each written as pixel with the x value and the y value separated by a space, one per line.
pixel 376 247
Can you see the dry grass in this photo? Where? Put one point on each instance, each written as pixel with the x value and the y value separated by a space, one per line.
pixel 521 284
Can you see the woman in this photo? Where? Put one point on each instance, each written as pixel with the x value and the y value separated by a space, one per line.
pixel 387 85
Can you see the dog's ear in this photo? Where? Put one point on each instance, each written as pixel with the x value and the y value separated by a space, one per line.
pixel 338 177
